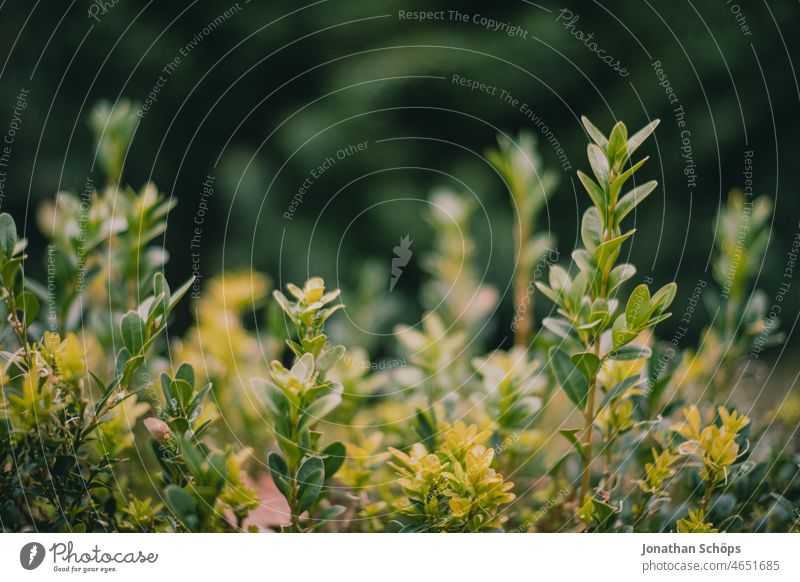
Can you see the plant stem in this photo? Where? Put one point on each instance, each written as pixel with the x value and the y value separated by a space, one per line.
pixel 586 445
pixel 641 511
pixel 521 282
pixel 707 495
pixel 293 509
pixel 588 418
pixel 609 455
pixel 18 326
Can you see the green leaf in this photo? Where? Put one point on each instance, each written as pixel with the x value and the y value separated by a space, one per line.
pixel 280 474
pixel 277 402
pixel 637 309
pixel 186 372
pixel 313 345
pixel 601 317
pixel 10 272
pixel 619 275
pixel 183 505
pixel 663 299
pixel 182 391
pixel 63 465
pixel 599 163
pixel 318 409
pixel 617 391
pixel 640 136
pixel 29 304
pixel 591 325
pixel 622 337
pixel 199 395
pixel 571 434
pixel 578 288
pixel 285 304
pixel 132 328
pixel 585 260
pixel 424 428
pixel 123 356
pixel 595 134
pixel 162 295
pixel 8 236
pixel 571 380
pixel 658 319
pixel 631 353
pixel 587 362
pixel 328 357
pixel 620 334
pixel 633 198
pixel 607 253
pixel 617 142
pixel 558 278
pixel 560 327
pixel 333 456
pixel 591 228
pixel 547 292
pixel 130 367
pixel 310 476
pixel 595 193
pixel 168 395
pixel 595 511
pixel 332 512
pixel 179 293
pixel 617 184
pixel 303 368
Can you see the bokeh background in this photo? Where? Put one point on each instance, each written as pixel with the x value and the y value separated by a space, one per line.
pixel 264 95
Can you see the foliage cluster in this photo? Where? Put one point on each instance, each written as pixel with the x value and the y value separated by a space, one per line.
pixel 588 422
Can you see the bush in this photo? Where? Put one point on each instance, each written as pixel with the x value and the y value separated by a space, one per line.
pixel 588 423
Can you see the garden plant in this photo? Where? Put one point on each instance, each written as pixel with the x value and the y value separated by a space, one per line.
pixel 264 416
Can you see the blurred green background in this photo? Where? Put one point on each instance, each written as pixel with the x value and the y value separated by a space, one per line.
pixel 262 96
